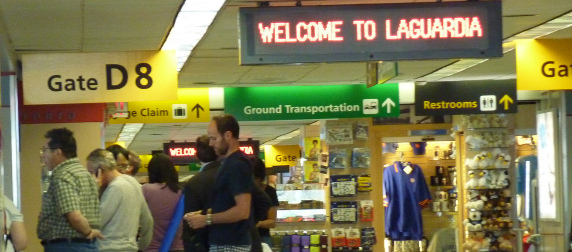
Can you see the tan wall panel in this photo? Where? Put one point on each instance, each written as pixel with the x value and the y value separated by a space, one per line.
pixel 88 137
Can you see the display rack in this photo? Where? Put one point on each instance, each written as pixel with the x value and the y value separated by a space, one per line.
pixel 350 205
pixel 487 147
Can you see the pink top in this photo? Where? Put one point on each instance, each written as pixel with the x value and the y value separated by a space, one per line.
pixel 162 203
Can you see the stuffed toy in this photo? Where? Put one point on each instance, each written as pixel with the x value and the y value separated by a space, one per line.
pixel 492 200
pixel 494 178
pixel 484 158
pixel 504 244
pixel 476 241
pixel 473 163
pixel 484 180
pixel 499 161
pixel 504 221
pixel 506 161
pixel 473 181
pixel 476 201
pixel 502 180
pixel 474 222
pixel 475 142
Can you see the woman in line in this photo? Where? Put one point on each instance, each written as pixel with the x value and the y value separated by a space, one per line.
pixel 269 220
pixel 162 194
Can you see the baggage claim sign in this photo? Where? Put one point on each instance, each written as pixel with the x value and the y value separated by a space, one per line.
pixel 274 35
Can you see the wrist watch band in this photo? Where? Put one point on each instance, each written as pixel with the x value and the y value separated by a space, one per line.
pixel 209 219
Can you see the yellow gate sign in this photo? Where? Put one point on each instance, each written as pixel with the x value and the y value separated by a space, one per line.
pixel 192 106
pixel 61 78
pixel 544 64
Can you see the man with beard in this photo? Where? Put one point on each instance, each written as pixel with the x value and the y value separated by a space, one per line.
pixel 230 220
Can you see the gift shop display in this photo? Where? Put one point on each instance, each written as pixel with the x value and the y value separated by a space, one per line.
pixel 489 144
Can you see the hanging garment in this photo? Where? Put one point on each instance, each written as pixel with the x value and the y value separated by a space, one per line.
pixel 405 192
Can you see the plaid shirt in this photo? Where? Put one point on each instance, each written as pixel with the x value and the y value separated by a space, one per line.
pixel 71 188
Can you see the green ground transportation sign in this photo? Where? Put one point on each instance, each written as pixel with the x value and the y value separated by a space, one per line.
pixel 311 102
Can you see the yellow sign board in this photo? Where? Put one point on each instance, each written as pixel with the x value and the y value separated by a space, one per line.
pixel 544 64
pixel 61 78
pixel 192 106
pixel 145 159
pixel 281 155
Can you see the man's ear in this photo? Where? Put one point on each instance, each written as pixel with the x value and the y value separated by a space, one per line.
pixel 227 135
pixel 59 151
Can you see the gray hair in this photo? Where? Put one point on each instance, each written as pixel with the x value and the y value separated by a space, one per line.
pixel 102 158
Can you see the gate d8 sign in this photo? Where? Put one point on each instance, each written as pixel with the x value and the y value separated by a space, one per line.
pixel 312 102
pixel 60 78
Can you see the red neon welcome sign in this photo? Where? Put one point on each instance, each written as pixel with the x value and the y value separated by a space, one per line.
pixel 468 29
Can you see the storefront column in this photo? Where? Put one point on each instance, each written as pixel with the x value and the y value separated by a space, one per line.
pixel 554 231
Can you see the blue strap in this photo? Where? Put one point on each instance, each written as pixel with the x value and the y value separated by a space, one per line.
pixel 173 225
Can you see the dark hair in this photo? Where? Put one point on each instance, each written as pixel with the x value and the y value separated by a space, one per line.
pixel 315 141
pixel 205 152
pixel 62 138
pixel 258 168
pixel 134 162
pixel 162 170
pixel 116 149
pixel 225 123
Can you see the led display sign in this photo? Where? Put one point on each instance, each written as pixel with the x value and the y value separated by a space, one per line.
pixel 186 153
pixel 274 35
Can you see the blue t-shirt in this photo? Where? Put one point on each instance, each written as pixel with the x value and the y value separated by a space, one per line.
pixel 234 177
pixel 403 196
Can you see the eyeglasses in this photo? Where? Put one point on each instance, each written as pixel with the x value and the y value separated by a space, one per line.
pixel 44 149
pixel 123 167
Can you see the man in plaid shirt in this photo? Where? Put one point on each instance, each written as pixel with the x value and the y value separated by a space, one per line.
pixel 69 219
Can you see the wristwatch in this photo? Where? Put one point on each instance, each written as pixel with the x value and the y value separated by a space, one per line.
pixel 209 219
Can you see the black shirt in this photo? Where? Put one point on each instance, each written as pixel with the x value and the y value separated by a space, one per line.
pixel 271 192
pixel 234 177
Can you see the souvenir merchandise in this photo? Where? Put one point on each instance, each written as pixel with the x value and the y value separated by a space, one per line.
pixel 286 243
pixel 418 147
pixel 364 183
pixel 311 172
pixel 338 237
pixel 389 148
pixel 296 176
pixel 360 158
pixel 338 158
pixel 489 144
pixel 353 238
pixel 323 162
pixel 344 212
pixel 405 192
pixel 297 241
pixel 339 134
pixel 343 185
pixel 368 237
pixel 315 239
pixel 361 131
pixel 276 241
pixel 366 210
pixel 312 148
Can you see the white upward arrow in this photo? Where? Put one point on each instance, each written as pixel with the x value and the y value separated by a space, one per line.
pixel 388 102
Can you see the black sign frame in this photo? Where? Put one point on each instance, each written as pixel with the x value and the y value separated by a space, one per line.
pixel 185 160
pixel 465 97
pixel 254 52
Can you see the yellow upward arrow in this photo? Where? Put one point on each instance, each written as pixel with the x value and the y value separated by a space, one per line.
pixel 507 100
